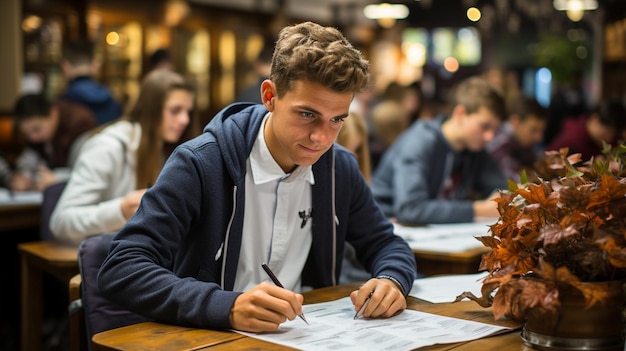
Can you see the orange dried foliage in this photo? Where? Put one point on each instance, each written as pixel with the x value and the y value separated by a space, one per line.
pixel 557 233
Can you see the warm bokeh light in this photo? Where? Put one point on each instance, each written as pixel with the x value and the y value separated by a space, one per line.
pixel 473 14
pixel 31 23
pixel 415 54
pixel 384 10
pixel 575 14
pixel 451 64
pixel 112 38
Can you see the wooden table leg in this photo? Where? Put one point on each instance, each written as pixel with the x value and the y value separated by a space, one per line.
pixel 31 305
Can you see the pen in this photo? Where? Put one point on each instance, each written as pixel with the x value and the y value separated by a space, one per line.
pixel 359 313
pixel 269 272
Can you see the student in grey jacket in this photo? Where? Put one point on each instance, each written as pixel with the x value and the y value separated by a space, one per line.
pixel 262 184
pixel 438 170
pixel 122 159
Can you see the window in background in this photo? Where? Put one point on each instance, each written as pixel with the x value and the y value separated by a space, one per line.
pixel 441 45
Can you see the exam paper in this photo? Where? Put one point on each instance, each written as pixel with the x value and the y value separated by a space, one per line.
pixel 454 237
pixel 333 327
pixel 447 287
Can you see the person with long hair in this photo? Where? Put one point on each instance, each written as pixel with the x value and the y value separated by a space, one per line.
pixel 122 159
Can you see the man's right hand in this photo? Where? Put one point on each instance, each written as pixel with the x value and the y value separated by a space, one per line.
pixel 264 308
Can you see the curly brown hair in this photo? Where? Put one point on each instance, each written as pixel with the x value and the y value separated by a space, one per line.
pixel 309 51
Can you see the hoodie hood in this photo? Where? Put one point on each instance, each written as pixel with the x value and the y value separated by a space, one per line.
pixel 239 121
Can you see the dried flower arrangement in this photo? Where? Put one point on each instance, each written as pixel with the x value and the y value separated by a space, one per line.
pixel 555 234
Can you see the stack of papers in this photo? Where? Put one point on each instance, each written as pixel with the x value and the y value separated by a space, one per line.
pixel 456 237
pixel 333 327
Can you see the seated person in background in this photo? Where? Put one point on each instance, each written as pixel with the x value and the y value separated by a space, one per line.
pixel 438 170
pixel 262 66
pixel 79 68
pixel 192 253
pixel 585 134
pixel 353 136
pixel 53 134
pixel 388 122
pixel 516 147
pixel 121 160
pixel 161 59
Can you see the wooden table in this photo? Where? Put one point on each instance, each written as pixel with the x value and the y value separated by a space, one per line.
pixel 36 258
pixel 437 263
pixel 157 336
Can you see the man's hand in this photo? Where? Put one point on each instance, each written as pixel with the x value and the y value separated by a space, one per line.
pixel 386 301
pixel 264 308
pixel 130 202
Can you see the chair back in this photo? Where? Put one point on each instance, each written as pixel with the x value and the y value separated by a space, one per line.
pixel 51 196
pixel 100 313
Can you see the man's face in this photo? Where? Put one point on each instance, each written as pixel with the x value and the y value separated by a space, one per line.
pixel 304 122
pixel 529 132
pixel 37 130
pixel 479 128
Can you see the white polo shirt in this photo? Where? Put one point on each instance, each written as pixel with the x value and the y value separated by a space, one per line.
pixel 277 222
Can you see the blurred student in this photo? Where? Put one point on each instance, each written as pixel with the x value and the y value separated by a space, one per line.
pixel 438 170
pixel 161 59
pixel 54 133
pixel 121 160
pixel 388 121
pixel 262 66
pixel 585 134
pixel 192 254
pixel 517 146
pixel 353 136
pixel 80 67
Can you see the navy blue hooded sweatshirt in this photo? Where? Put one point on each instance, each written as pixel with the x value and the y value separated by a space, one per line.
pixel 176 258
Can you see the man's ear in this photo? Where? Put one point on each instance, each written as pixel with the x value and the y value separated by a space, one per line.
pixel 268 94
pixel 458 112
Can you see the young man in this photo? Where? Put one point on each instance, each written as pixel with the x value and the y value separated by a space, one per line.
pixel 262 184
pixel 54 134
pixel 516 147
pixel 79 68
pixel 436 169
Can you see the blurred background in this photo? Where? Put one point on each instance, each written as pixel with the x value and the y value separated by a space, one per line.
pixel 541 46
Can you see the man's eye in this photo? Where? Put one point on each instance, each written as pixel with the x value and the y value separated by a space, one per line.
pixel 306 114
pixel 337 120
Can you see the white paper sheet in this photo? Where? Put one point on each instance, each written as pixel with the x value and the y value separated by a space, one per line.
pixel 455 237
pixel 20 198
pixel 446 288
pixel 332 327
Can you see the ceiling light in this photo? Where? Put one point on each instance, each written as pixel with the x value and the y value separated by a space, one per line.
pixel 378 11
pixel 565 5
